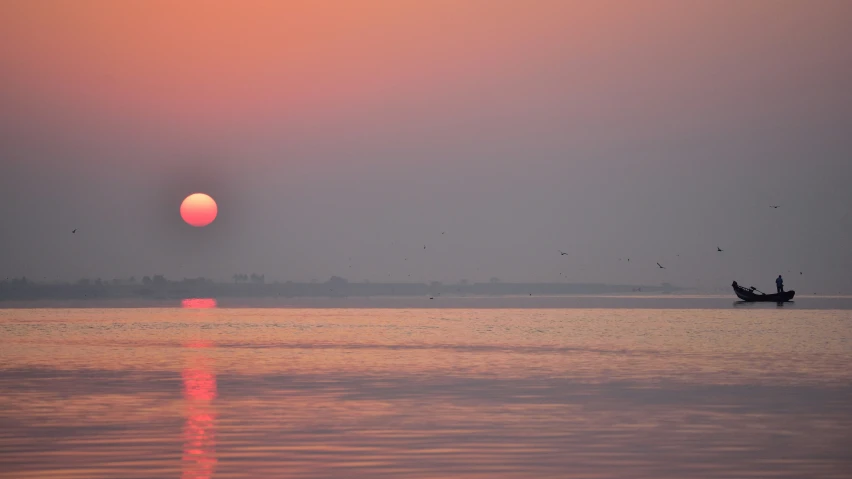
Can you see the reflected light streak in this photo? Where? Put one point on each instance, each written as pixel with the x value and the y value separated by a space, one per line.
pixel 198 303
pixel 199 435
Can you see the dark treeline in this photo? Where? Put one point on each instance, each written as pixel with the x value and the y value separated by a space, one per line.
pixel 159 287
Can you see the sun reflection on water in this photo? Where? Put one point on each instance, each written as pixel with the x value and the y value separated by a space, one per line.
pixel 199 303
pixel 199 431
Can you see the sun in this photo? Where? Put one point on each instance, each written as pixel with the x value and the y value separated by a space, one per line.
pixel 198 210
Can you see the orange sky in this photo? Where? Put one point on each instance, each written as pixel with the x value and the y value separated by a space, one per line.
pixel 201 65
pixel 209 61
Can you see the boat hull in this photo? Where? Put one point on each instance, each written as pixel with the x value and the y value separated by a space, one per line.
pixel 751 297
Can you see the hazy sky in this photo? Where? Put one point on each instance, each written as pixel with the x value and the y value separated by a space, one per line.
pixel 336 130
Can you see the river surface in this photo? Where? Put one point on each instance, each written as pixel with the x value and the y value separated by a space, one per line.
pixel 200 392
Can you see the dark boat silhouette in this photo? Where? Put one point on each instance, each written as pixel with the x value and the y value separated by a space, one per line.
pixel 752 295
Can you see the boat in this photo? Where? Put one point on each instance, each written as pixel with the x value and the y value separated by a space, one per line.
pixel 752 295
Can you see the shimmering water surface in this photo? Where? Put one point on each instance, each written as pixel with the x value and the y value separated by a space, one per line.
pixel 425 393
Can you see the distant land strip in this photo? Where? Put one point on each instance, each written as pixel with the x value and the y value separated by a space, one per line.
pixel 158 287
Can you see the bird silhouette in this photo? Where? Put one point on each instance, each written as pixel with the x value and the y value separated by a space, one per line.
pixel 661 266
pixel 774 206
pixel 424 246
pixel 562 253
pixel 718 249
pixel 74 230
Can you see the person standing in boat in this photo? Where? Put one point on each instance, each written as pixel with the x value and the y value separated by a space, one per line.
pixel 779 284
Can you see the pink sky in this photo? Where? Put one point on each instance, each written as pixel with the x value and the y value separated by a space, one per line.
pixel 204 68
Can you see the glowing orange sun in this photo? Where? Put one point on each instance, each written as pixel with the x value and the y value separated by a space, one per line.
pixel 198 210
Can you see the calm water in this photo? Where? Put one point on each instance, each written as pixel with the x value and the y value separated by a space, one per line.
pixel 425 393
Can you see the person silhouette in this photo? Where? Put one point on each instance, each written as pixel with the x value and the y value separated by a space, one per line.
pixel 779 284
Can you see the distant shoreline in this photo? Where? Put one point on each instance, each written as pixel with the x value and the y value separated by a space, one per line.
pixel 603 301
pixel 159 288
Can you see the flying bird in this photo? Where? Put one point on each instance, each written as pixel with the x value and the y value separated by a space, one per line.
pixel 661 266
pixel 562 253
pixel 774 206
pixel 74 230
pixel 718 249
